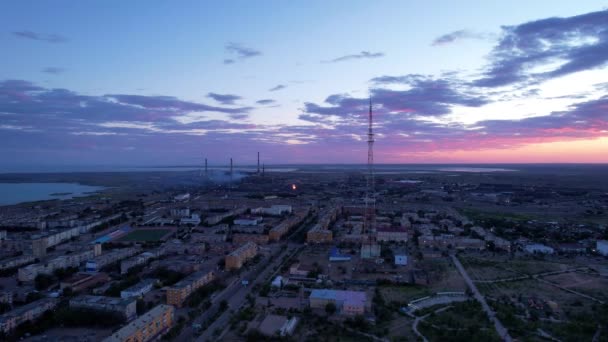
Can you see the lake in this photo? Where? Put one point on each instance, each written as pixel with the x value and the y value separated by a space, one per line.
pixel 14 193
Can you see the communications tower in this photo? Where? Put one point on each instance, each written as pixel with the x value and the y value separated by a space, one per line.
pixel 369 225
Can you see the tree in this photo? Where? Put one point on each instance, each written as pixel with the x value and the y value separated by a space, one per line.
pixel 223 305
pixel 330 308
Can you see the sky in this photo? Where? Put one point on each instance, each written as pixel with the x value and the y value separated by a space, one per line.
pixel 170 83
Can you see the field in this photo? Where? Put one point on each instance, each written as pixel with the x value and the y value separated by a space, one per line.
pixel 145 235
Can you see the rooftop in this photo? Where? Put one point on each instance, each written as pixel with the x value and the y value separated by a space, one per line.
pixel 139 323
pixel 355 298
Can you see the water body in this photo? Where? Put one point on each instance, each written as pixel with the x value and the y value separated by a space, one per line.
pixel 14 193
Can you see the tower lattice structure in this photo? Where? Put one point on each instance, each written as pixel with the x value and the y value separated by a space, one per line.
pixel 370 196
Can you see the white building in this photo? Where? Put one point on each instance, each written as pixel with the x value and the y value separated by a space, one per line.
pixel 274 210
pixel 278 282
pixel 602 247
pixel 193 219
pixel 180 212
pixel 248 221
pixel 537 248
pixel 182 197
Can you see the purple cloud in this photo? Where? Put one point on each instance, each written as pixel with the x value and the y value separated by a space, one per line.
pixel 456 36
pixel 426 97
pixel 277 87
pixel 225 99
pixel 53 70
pixel 241 52
pixel 581 42
pixel 265 101
pixel 361 55
pixel 51 38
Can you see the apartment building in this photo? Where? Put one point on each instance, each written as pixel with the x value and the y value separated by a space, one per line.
pixel 125 308
pixel 239 256
pixel 29 312
pixel 149 326
pixel 179 292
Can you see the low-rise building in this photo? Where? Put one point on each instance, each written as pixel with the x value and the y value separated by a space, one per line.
pixel 602 247
pixel 147 327
pixel 276 233
pixel 260 239
pixel 239 256
pixel 125 308
pixel 29 312
pixel 298 270
pixel 29 273
pixel 248 221
pixel 109 258
pixel 274 210
pixel 400 259
pixel 537 248
pixel 180 212
pixel 347 302
pixel 318 234
pixel 194 219
pixel 139 290
pixel 140 259
pixel 82 281
pixel 391 234
pixel 6 297
pixel 571 248
pixel 211 220
pixel 179 292
pixel 16 261
pixel 335 255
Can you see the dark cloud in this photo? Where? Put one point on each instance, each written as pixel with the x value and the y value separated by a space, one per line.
pixel 277 87
pixel 578 42
pixel 361 55
pixel 240 51
pixel 456 36
pixel 53 70
pixel 426 97
pixel 60 108
pixel 265 102
pixel 225 99
pixel 51 38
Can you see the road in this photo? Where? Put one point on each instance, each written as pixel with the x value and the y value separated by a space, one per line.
pixel 235 295
pixel 239 295
pixel 500 329
pixel 419 319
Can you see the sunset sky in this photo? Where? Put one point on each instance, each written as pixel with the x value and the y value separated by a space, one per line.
pixel 166 83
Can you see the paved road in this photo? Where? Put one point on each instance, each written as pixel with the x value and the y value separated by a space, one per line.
pixel 238 294
pixel 419 319
pixel 527 277
pixel 500 329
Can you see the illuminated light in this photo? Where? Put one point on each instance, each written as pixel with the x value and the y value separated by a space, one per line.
pixel 294 187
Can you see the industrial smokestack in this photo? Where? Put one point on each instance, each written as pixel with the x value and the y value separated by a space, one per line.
pixel 258 163
pixel 205 166
pixel 230 169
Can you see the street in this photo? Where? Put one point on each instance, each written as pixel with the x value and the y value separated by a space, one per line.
pixel 500 329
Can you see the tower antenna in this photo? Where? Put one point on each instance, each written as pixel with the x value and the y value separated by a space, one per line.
pixel 370 197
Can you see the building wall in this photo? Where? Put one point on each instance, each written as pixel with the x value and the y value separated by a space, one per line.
pixel 257 238
pixel 237 258
pixel 178 293
pixel 148 327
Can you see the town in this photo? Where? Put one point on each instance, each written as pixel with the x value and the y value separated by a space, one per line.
pixel 286 255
